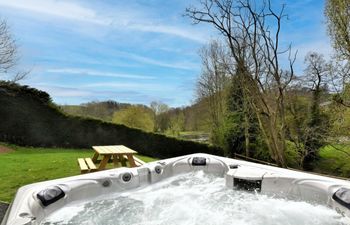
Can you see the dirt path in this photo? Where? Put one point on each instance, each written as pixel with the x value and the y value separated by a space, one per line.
pixel 4 149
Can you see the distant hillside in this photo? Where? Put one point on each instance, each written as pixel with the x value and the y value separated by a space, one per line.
pixel 195 117
pixel 28 117
pixel 99 110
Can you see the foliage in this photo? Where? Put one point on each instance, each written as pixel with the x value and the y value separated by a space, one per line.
pixel 334 160
pixel 315 130
pixel 98 110
pixel 136 117
pixel 339 120
pixel 176 124
pixel 251 32
pixel 293 156
pixel 231 135
pixel 338 20
pixel 196 116
pixel 27 165
pixel 212 85
pixel 28 117
pixel 161 117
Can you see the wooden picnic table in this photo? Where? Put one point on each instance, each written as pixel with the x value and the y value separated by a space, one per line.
pixel 118 153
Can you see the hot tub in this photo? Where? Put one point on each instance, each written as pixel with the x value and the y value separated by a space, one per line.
pixel 192 189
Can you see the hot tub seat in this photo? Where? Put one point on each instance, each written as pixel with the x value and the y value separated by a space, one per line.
pixel 35 202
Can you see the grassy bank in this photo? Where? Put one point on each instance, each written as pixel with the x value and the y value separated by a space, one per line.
pixel 334 160
pixel 26 165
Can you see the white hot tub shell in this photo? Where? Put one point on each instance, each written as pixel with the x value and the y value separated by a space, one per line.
pixel 34 202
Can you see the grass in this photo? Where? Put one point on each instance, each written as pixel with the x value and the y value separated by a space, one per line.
pixel 193 133
pixel 334 160
pixel 27 165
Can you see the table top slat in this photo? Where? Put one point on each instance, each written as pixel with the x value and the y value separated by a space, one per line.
pixel 105 150
pixel 126 150
pixel 113 149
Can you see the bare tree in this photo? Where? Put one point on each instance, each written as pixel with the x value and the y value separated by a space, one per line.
pixel 252 33
pixel 9 54
pixel 213 82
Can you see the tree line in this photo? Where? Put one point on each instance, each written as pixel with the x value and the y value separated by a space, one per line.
pixel 157 117
pixel 249 97
pixel 258 105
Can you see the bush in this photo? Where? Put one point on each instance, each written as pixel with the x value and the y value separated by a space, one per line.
pixel 29 118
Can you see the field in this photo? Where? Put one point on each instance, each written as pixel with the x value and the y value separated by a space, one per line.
pixel 25 165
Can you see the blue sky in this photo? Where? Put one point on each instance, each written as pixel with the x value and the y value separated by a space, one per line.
pixel 128 50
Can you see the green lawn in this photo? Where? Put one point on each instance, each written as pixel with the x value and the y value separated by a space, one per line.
pixel 334 160
pixel 28 165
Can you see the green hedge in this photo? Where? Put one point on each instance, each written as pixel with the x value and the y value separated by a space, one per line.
pixel 29 118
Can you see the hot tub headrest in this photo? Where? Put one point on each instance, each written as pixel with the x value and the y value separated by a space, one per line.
pixel 50 195
pixel 199 161
pixel 342 196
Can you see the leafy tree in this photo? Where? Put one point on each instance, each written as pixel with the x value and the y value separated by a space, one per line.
pixel 339 112
pixel 135 117
pixel 234 130
pixel 307 123
pixel 99 110
pixel 338 20
pixel 241 126
pixel 161 117
pixel 317 122
pixel 176 125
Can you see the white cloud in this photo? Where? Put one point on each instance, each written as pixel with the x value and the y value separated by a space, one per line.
pixel 147 60
pixel 64 9
pixel 69 95
pixel 125 18
pixel 59 91
pixel 130 86
pixel 172 30
pixel 89 72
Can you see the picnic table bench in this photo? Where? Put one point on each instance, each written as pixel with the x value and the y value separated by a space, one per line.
pixel 86 165
pixel 111 153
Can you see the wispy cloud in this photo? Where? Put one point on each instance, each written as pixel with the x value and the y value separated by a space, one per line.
pixel 60 91
pixel 130 85
pixel 60 94
pixel 63 9
pixel 127 19
pixel 172 30
pixel 176 65
pixel 89 72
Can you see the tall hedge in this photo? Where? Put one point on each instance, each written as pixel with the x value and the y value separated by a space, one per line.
pixel 28 117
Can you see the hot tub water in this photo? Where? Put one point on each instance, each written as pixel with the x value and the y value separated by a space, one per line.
pixel 193 198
